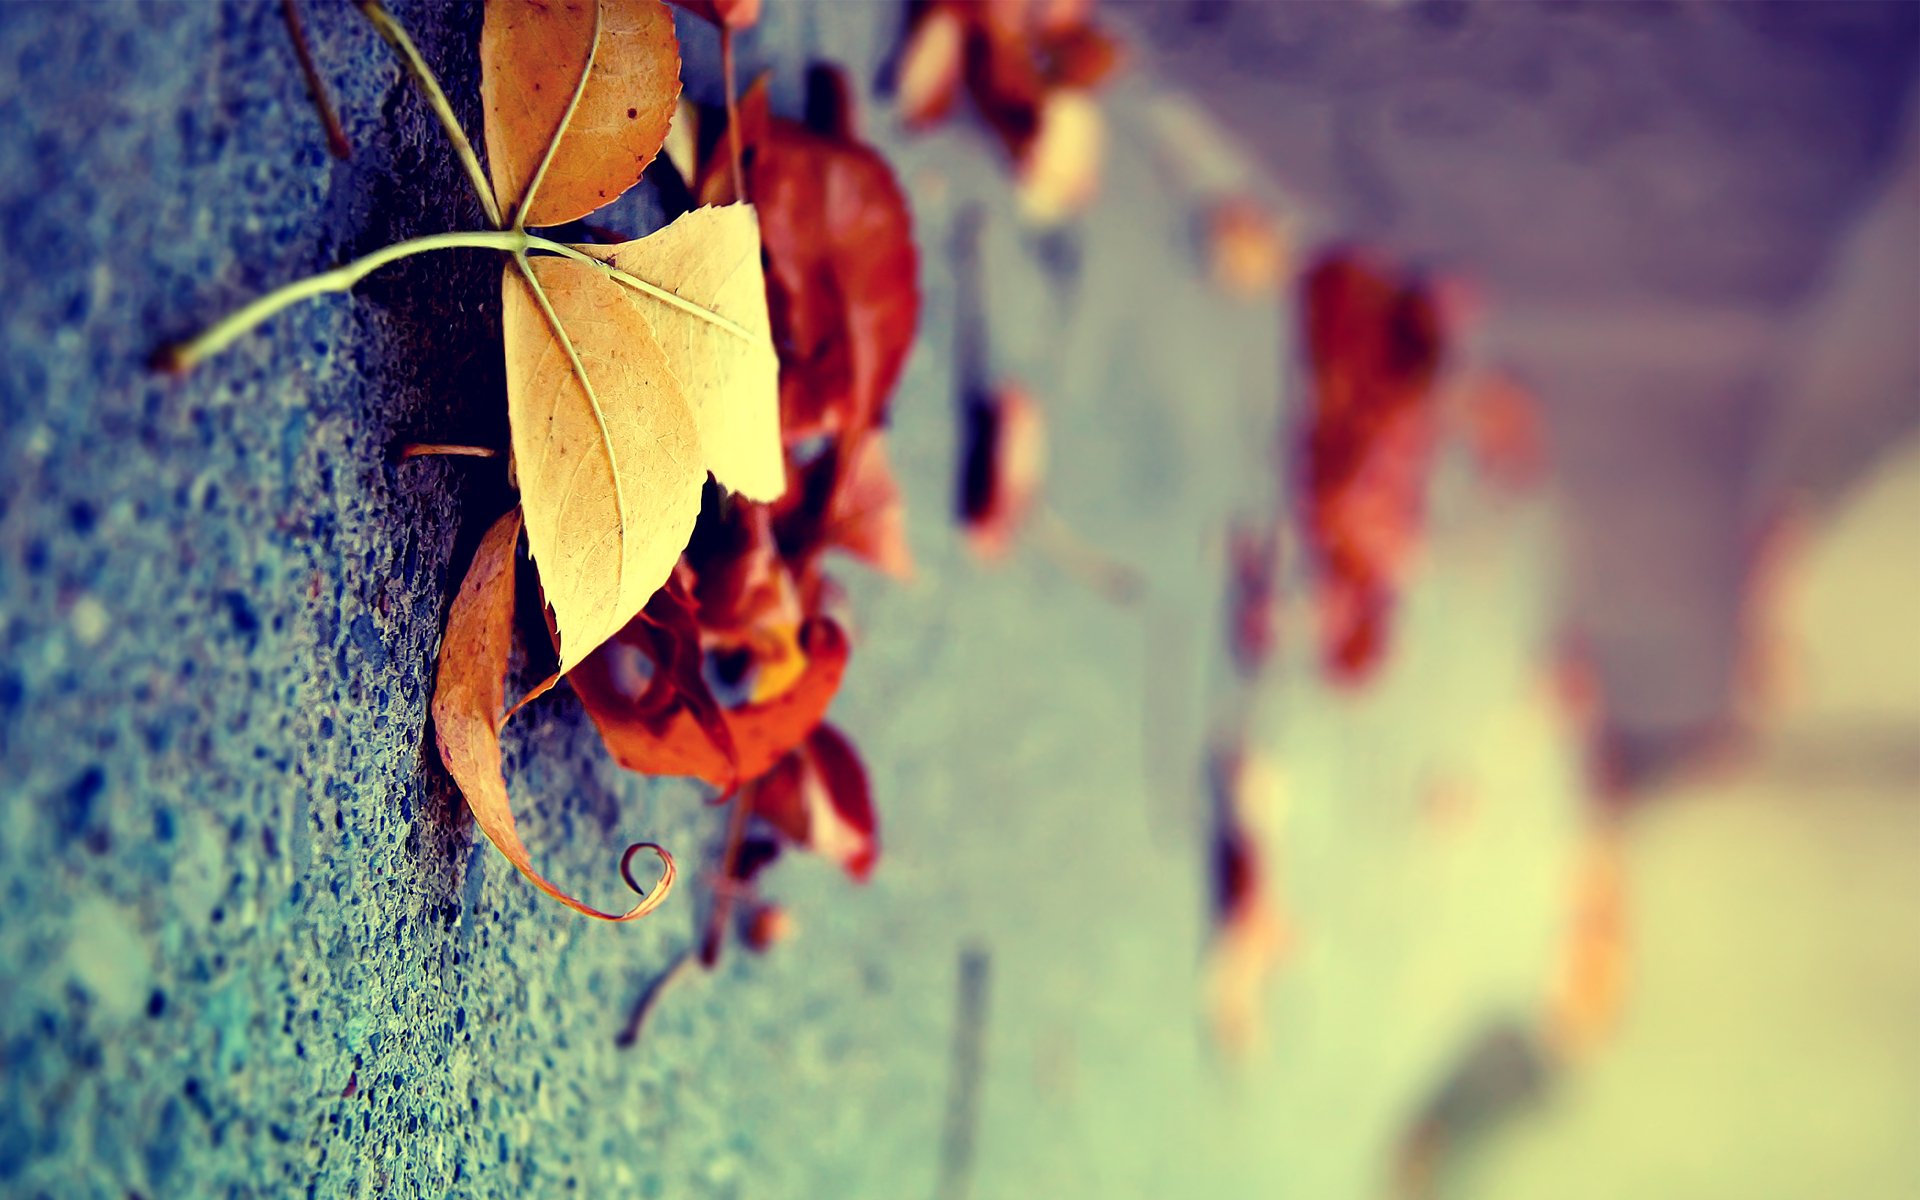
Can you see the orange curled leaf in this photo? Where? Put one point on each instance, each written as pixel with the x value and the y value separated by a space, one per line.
pixel 817 797
pixel 675 742
pixel 532 56
pixel 469 696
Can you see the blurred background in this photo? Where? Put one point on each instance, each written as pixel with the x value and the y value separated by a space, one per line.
pixel 1409 684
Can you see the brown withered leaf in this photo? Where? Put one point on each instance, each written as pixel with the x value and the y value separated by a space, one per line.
pixel 671 740
pixel 532 56
pixel 1031 69
pixel 1375 343
pixel 469 697
pixel 817 797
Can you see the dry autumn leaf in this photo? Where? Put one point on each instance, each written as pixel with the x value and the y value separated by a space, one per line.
pixel 1059 174
pixel 726 365
pixel 1375 343
pixel 668 737
pixel 1253 596
pixel 867 517
pixel 563 139
pixel 1250 934
pixel 817 797
pixel 1247 249
pixel 469 697
pixel 621 397
pixel 1031 69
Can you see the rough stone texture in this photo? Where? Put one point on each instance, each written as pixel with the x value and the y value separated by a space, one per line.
pixel 252 944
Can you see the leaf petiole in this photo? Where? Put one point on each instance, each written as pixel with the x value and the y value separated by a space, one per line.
pixel 224 333
pixel 560 131
pixel 416 66
pixel 446 449
pixel 218 337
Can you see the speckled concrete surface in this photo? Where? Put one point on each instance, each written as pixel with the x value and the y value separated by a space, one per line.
pixel 252 945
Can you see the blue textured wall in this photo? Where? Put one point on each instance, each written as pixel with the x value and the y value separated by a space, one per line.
pixel 251 943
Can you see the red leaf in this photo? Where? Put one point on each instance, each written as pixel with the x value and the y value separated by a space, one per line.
pixel 676 741
pixel 817 798
pixel 1374 344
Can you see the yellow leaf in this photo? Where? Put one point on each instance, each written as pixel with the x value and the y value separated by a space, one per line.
pixel 468 695
pixel 728 370
pixel 1061 169
pixel 532 54
pixel 622 399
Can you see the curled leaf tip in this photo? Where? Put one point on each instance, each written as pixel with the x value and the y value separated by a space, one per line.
pixel 668 872
pixel 469 694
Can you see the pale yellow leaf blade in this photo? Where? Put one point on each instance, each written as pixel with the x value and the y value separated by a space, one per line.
pixel 728 369
pixel 531 56
pixel 469 690
pixel 611 474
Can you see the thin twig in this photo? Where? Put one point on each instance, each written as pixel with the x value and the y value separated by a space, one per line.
pixel 337 143
pixel 963 1088
pixel 448 449
pixel 724 892
pixel 650 998
pixel 733 114
pixel 1082 560
pixel 436 98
